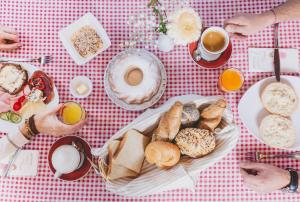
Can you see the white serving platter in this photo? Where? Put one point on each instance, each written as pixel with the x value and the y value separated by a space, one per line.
pixel 8 127
pixel 65 35
pixel 251 110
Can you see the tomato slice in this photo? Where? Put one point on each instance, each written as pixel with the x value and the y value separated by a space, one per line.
pixel 22 99
pixel 17 106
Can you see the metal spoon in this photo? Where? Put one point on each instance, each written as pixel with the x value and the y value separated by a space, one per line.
pixel 80 148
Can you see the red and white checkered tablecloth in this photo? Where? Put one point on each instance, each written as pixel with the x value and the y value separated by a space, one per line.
pixel 38 22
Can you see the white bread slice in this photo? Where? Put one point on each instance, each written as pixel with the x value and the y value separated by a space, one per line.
pixel 116 171
pixel 279 98
pixel 278 131
pixel 131 151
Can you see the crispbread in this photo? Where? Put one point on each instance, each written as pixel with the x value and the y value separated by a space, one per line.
pixel 279 98
pixel 12 78
pixel 116 171
pixel 131 151
pixel 278 131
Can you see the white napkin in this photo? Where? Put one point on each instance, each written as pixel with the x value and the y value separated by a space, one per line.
pixel 262 60
pixel 182 176
pixel 25 164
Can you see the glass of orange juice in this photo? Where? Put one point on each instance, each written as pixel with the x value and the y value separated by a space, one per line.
pixel 71 113
pixel 231 80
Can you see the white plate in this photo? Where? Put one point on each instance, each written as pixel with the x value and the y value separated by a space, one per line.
pixel 252 112
pixel 136 107
pixel 66 33
pixel 6 126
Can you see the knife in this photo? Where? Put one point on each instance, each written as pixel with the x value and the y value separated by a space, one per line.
pixel 11 161
pixel 276 53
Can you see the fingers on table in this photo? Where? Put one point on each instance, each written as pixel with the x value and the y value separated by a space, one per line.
pixel 9 36
pixel 234 28
pixel 253 165
pixel 8 47
pixel 9 30
pixel 74 128
pixel 54 110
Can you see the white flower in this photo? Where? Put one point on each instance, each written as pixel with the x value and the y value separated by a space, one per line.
pixel 184 26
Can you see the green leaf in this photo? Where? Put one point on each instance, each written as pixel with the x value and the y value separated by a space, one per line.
pixel 152 3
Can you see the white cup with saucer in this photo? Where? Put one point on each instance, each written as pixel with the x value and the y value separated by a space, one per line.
pixel 213 42
pixel 66 159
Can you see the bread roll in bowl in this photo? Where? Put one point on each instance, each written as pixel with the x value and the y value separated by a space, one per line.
pixel 162 154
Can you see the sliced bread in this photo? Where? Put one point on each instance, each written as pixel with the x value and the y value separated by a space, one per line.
pixel 278 131
pixel 116 171
pixel 279 98
pixel 131 151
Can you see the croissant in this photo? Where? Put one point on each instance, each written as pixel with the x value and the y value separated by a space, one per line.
pixel 169 124
pixel 211 116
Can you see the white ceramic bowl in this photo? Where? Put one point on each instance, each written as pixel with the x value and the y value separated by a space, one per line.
pixel 76 81
pixel 66 33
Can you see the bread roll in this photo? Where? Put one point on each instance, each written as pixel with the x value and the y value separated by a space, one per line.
pixel 211 116
pixel 278 131
pixel 162 154
pixel 195 142
pixel 190 115
pixel 169 124
pixel 130 152
pixel 279 98
pixel 114 170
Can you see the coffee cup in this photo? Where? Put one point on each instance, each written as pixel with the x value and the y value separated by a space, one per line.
pixel 214 41
pixel 66 159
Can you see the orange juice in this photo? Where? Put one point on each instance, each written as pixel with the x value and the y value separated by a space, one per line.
pixel 231 80
pixel 72 113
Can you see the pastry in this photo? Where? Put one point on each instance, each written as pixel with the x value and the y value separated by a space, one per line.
pixel 169 124
pixel 278 131
pixel 134 79
pixel 130 153
pixel 211 116
pixel 12 78
pixel 114 170
pixel 279 98
pixel 190 115
pixel 195 142
pixel 162 154
pixel 86 41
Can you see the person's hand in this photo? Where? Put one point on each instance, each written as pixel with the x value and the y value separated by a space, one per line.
pixel 246 24
pixel 48 123
pixel 264 178
pixel 9 39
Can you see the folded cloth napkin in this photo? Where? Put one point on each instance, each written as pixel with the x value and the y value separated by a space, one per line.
pixel 25 164
pixel 262 60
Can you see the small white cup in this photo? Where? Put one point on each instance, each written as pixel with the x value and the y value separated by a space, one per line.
pixel 208 55
pixel 65 159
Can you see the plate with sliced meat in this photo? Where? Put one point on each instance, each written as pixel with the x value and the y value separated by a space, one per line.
pixel 25 90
